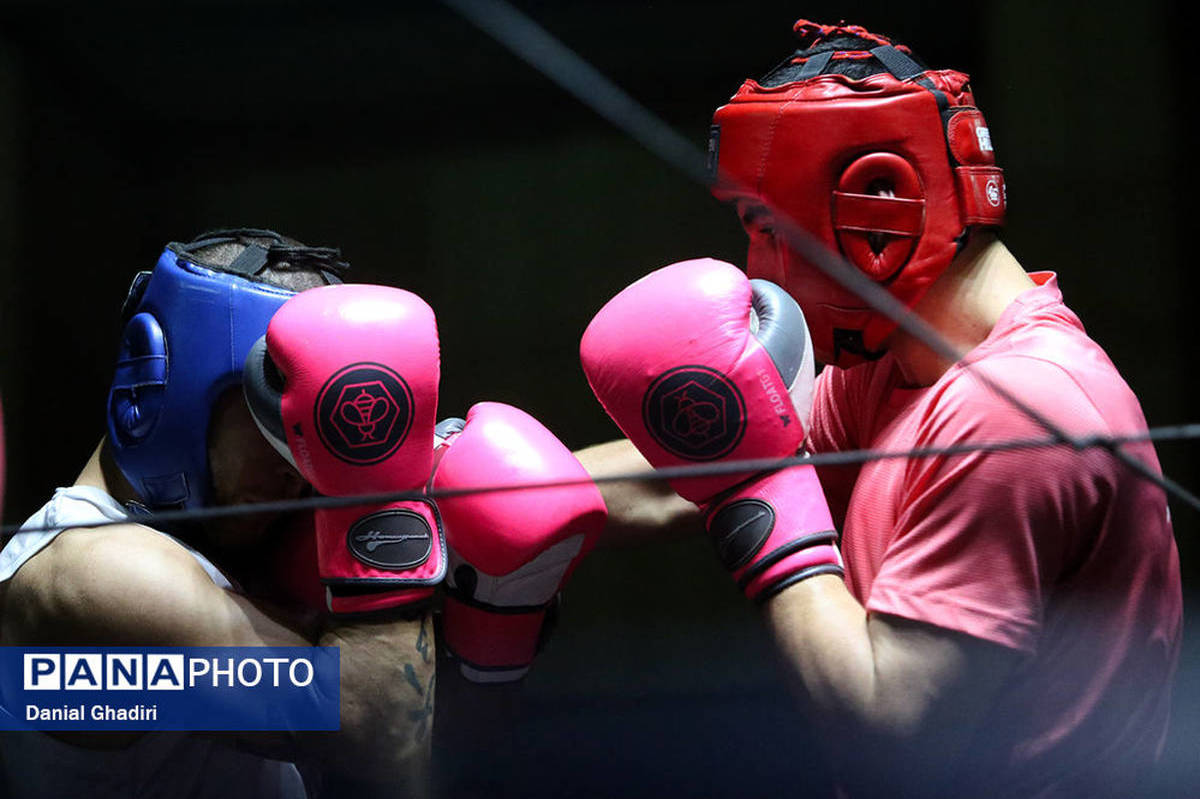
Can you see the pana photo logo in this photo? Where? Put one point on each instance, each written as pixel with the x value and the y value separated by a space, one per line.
pixel 182 688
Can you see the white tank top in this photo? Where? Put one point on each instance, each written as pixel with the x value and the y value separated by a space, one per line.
pixel 162 764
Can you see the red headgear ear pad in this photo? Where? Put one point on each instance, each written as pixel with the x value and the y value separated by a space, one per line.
pixel 879 213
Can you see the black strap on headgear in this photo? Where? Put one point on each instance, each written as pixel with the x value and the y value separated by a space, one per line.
pixel 256 256
pixel 815 65
pixel 901 66
pixel 904 68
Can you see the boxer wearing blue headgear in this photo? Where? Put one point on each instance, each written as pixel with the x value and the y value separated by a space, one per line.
pixel 180 436
pixel 190 325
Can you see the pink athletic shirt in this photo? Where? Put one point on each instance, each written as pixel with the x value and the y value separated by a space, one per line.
pixel 1065 556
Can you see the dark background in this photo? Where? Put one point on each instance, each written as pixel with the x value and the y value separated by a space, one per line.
pixel 442 164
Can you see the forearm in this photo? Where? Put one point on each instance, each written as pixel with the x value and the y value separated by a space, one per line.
pixel 900 699
pixel 824 639
pixel 821 633
pixel 638 510
pixel 387 698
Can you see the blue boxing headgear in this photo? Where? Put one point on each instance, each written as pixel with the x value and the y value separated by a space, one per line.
pixel 188 328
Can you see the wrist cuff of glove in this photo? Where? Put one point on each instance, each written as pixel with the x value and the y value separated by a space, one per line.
pixel 356 600
pixel 376 561
pixel 494 643
pixel 795 561
pixel 775 530
pixel 395 546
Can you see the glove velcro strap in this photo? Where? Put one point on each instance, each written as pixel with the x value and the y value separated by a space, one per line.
pixel 399 545
pixel 491 638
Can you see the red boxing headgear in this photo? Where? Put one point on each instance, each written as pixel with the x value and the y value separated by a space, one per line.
pixel 890 171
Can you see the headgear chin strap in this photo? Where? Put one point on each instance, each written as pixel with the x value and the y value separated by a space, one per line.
pixel 188 328
pixel 890 171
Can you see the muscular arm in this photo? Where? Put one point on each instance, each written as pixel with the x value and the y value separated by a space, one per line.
pixel 127 585
pixel 638 510
pixel 899 698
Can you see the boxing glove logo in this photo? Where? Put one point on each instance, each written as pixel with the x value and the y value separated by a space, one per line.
pixel 695 413
pixel 393 539
pixel 363 413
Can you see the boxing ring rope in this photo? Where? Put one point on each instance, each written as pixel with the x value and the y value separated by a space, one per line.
pixel 1185 432
pixel 527 40
pixel 533 44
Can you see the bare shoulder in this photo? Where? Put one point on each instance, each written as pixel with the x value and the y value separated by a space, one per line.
pixel 118 585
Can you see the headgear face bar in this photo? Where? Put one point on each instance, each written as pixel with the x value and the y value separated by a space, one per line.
pixel 188 328
pixel 890 170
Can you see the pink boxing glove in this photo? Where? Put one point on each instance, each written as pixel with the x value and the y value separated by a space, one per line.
pixel 510 551
pixel 344 385
pixel 697 364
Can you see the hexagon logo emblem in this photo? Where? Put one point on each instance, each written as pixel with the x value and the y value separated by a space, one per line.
pixel 364 413
pixel 694 412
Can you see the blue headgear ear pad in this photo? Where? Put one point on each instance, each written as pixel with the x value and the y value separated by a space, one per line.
pixel 183 345
pixel 140 383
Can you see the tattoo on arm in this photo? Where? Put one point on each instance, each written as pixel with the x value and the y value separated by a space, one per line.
pixel 410 674
pixel 423 639
pixel 422 716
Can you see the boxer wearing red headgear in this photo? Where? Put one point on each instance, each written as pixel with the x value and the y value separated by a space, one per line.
pixel 891 170
pixel 1009 623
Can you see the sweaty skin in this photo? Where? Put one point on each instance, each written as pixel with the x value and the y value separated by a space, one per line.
pixel 95 586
